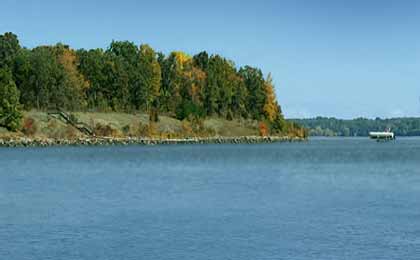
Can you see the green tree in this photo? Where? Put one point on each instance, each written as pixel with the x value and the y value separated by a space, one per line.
pixel 128 51
pixel 148 89
pixel 117 83
pixel 45 80
pixel 239 99
pixel 221 84
pixel 9 47
pixel 10 115
pixel 92 66
pixel 254 81
pixel 193 82
pixel 201 60
pixel 172 78
pixel 22 71
pixel 48 78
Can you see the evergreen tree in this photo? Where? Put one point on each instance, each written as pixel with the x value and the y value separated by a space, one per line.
pixel 254 81
pixel 92 66
pixel 221 84
pixel 201 60
pixel 9 47
pixel 10 115
pixel 116 85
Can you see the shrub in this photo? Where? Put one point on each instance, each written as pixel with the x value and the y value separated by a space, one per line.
pixel 263 129
pixel 29 127
pixel 187 109
pixel 126 130
pixel 105 130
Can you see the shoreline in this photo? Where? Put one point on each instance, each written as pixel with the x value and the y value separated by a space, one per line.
pixel 111 141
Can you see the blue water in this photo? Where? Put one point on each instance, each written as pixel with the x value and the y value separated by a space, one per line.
pixel 323 199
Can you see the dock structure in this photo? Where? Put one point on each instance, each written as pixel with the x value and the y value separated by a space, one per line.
pixel 382 135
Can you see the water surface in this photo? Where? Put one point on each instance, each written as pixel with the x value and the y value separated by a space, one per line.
pixel 324 199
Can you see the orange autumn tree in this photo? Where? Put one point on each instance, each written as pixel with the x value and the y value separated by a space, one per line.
pixel 75 81
pixel 271 110
pixel 194 80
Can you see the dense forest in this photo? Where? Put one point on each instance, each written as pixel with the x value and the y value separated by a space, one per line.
pixel 324 126
pixel 130 78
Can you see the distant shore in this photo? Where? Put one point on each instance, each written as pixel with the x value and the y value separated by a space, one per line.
pixel 111 141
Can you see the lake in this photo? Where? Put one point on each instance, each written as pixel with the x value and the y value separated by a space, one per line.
pixel 338 198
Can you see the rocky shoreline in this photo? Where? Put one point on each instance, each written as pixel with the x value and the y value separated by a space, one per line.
pixel 110 141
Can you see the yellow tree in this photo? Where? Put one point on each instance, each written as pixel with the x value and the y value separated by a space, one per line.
pixel 150 76
pixel 194 81
pixel 76 82
pixel 271 106
pixel 182 59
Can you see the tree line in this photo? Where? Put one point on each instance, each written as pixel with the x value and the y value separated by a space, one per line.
pixel 325 126
pixel 130 78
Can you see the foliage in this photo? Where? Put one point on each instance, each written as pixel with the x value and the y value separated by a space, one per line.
pixel 92 65
pixel 150 79
pixel 130 78
pixel 75 81
pixel 30 126
pixel 187 109
pixel 106 130
pixel 10 114
pixel 48 78
pixel 9 47
pixel 263 129
pixel 255 84
pixel 270 107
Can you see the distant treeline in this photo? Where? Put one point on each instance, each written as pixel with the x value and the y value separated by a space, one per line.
pixel 323 126
pixel 130 78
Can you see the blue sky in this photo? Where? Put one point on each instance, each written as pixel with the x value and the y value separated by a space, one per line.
pixel 328 58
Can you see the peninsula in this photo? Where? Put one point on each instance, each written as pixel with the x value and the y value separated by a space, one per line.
pixel 59 95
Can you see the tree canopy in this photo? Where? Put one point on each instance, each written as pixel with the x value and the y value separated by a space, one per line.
pixel 9 101
pixel 127 77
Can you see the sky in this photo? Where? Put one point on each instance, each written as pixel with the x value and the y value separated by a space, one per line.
pixel 334 58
